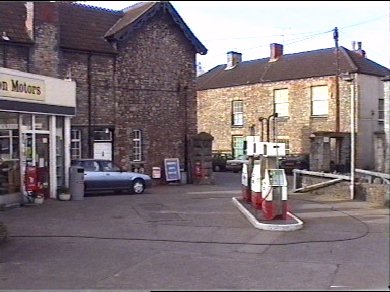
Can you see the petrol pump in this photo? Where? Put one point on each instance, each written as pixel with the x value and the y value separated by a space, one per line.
pixel 274 204
pixel 246 191
pixel 274 183
pixel 258 169
pixel 247 168
pixel 259 164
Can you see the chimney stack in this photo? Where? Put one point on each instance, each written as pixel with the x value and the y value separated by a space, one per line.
pixel 276 52
pixel 233 59
pixel 359 50
pixel 29 23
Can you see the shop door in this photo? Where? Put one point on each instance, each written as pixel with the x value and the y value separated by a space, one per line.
pixel 42 162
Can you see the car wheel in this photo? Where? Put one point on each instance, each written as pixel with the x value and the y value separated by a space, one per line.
pixel 138 186
pixel 217 168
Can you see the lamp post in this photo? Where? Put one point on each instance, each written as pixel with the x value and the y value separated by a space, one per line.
pixel 349 78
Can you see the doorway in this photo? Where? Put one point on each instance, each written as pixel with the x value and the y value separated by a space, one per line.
pixel 42 162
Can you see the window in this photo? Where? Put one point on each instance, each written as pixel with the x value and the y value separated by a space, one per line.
pixel 281 102
pixel 285 140
pixel 75 144
pixel 109 166
pixel 90 165
pixel 381 110
pixel 238 146
pixel 238 113
pixel 137 145
pixel 319 100
pixel 9 144
pixel 102 135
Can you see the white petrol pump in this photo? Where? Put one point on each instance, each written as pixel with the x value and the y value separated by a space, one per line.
pixel 267 183
pixel 247 168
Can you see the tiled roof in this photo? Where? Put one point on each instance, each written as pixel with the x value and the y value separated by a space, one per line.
pixel 289 67
pixel 134 15
pixel 84 27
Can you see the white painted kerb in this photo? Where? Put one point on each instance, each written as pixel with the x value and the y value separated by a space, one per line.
pixel 266 226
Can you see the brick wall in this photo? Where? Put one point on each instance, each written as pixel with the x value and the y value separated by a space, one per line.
pixel 155 92
pixel 214 111
pixel 14 57
pixel 148 86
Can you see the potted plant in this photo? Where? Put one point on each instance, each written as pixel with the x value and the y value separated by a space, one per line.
pixel 63 193
pixel 39 199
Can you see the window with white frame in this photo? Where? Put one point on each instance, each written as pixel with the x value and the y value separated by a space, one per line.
pixel 75 144
pixel 137 145
pixel 286 141
pixel 238 145
pixel 319 100
pixel 381 110
pixel 281 102
pixel 238 113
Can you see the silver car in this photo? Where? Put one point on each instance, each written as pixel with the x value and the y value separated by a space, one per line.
pixel 235 164
pixel 105 175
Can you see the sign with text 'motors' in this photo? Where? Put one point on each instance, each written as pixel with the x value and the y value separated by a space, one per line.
pixel 172 169
pixel 22 87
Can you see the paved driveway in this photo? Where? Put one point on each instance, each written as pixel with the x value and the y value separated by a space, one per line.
pixel 188 237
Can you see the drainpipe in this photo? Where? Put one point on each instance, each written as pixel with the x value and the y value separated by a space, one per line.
pixel 90 146
pixel 353 139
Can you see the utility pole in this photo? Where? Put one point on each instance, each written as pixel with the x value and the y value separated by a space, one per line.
pixel 337 93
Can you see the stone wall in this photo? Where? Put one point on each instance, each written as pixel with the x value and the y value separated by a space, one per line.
pixel 149 85
pixel 155 92
pixel 377 194
pixel 214 111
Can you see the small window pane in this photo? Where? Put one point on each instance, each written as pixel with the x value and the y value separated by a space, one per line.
pixel 319 97
pixel 238 113
pixel 281 102
pixel 137 145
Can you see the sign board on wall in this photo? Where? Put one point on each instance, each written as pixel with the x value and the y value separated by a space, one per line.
pixel 156 172
pixel 22 87
pixel 172 169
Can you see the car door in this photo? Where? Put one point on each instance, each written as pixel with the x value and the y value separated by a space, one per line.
pixel 114 178
pixel 92 175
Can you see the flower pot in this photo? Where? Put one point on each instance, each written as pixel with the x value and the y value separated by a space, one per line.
pixel 39 200
pixel 64 197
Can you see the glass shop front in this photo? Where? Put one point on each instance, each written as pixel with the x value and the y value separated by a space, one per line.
pixel 34 135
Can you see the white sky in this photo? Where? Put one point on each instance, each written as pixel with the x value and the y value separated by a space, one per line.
pixel 249 27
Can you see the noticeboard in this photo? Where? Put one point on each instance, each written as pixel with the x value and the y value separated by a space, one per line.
pixel 172 169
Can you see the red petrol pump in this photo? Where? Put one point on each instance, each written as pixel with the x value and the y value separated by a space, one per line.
pixel 274 183
pixel 274 189
pixel 268 182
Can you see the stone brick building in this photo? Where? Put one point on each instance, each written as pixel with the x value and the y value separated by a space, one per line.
pixel 134 70
pixel 313 106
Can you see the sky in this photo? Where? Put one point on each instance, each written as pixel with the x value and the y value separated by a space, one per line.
pixel 249 27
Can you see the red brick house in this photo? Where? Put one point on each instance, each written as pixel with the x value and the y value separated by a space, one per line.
pixel 134 70
pixel 313 106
